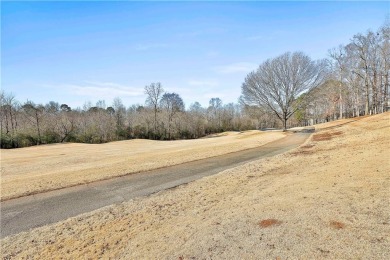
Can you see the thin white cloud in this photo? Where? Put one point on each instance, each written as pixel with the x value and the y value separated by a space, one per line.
pixel 214 95
pixel 227 96
pixel 239 67
pixel 203 83
pixel 103 90
pixel 179 90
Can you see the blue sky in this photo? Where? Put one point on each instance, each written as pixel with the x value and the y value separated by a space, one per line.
pixel 72 52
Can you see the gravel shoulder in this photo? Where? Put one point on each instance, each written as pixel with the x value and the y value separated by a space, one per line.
pixel 328 198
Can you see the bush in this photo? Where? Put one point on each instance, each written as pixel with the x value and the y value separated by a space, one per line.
pixel 50 137
pixel 6 141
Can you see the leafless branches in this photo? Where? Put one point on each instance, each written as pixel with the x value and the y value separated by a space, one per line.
pixel 278 82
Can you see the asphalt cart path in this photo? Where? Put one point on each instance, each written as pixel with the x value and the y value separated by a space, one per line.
pixel 32 211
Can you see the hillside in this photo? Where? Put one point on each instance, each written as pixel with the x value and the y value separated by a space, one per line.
pixel 327 199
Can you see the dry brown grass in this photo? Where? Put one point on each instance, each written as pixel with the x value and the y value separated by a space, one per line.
pixel 337 123
pixel 48 167
pixel 326 136
pixel 333 204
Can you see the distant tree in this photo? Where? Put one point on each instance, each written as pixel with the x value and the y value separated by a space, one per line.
pixel 384 45
pixel 196 107
pixel 93 109
pixel 101 104
pixel 119 110
pixel 300 114
pixel 227 117
pixel 139 108
pixel 65 108
pixel 172 103
pixel 120 115
pixel 9 107
pixel 340 63
pixel 34 113
pixel 278 82
pixel 110 110
pixel 67 125
pixel 197 120
pixel 52 107
pixel 154 92
pixel 215 107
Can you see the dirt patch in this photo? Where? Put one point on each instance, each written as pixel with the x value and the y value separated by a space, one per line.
pixel 326 136
pixel 337 133
pixel 337 225
pixel 301 152
pixel 308 146
pixel 269 222
pixel 322 137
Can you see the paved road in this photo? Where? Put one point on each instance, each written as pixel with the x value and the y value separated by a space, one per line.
pixel 28 212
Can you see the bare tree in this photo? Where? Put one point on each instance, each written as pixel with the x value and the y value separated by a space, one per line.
pixel 215 107
pixel 361 45
pixel 154 92
pixel 34 113
pixel 198 119
pixel 67 125
pixel 385 58
pixel 9 107
pixel 278 82
pixel 172 104
pixel 119 111
pixel 338 55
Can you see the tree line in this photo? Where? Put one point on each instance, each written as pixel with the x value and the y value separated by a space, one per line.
pixel 163 117
pixel 353 81
pixel 285 91
pixel 359 80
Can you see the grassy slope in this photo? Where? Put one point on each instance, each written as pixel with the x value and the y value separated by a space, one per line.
pixel 48 167
pixel 327 199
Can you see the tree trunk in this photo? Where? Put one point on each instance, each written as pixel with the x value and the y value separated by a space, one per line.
pixel 6 122
pixel 341 106
pixel 39 131
pixel 169 128
pixel 367 101
pixel 155 123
